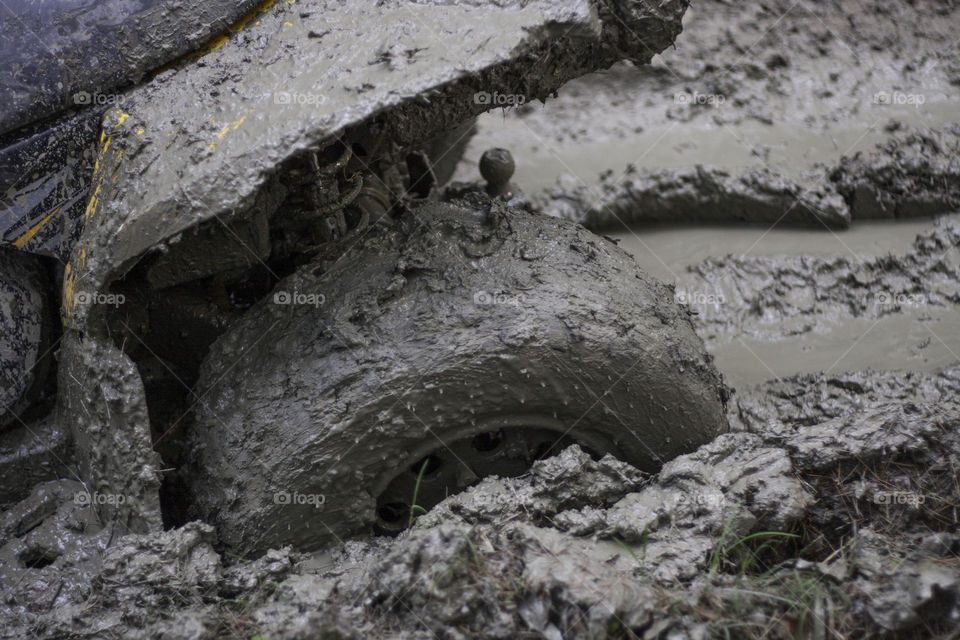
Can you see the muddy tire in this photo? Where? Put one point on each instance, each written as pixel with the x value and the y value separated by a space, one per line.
pixel 24 333
pixel 475 332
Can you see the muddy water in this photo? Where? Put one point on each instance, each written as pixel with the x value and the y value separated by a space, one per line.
pixel 664 251
pixel 919 339
pixel 595 137
pixel 789 147
pixel 923 339
pixel 916 340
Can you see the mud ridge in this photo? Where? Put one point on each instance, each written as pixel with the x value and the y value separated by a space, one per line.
pixel 776 297
pixel 865 503
pixel 915 175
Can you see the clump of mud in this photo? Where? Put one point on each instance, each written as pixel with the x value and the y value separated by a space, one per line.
pixel 772 296
pixel 916 175
pixel 838 519
pixel 905 177
pixel 695 194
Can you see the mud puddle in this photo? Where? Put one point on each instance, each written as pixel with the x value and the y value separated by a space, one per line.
pixel 739 94
pixel 665 251
pixel 917 338
pixel 788 147
pixel 741 97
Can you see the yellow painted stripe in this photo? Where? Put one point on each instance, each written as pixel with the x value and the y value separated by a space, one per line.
pixel 235 125
pixel 25 238
pixel 219 40
pixel 241 24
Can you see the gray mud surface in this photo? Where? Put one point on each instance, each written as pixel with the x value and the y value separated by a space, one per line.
pixel 856 472
pixel 698 194
pixel 909 176
pixel 778 296
pixel 774 112
pixel 831 507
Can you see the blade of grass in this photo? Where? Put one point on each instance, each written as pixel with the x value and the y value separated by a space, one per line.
pixel 761 534
pixel 718 550
pixel 416 489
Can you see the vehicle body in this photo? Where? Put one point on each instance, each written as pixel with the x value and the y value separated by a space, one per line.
pixel 291 148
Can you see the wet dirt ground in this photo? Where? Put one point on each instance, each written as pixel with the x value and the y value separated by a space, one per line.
pixel 789 112
pixel 831 510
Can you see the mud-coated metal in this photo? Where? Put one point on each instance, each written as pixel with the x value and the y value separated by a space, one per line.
pixel 60 54
pixel 203 141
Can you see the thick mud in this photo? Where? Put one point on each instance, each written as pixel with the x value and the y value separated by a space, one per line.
pixel 914 175
pixel 829 509
pixel 762 113
pixel 782 116
pixel 852 477
pixel 761 296
pixel 906 177
pixel 698 194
